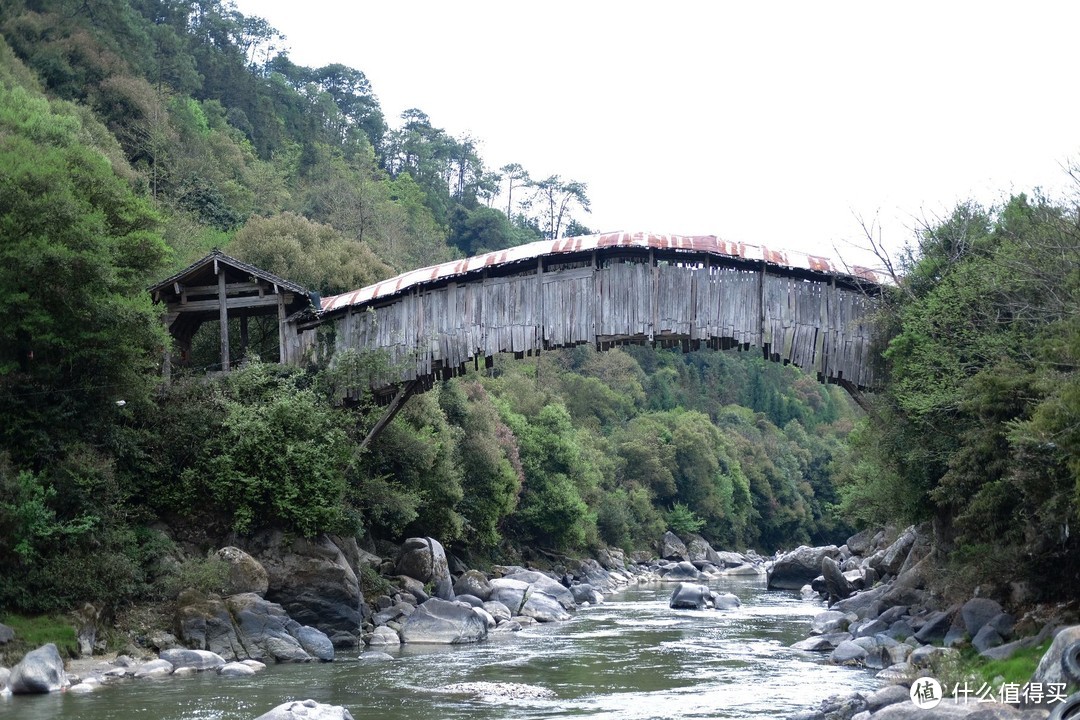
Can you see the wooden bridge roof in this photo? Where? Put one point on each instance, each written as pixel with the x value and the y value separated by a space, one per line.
pixel 696 244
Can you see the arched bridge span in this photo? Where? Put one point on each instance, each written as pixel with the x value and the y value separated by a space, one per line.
pixel 606 289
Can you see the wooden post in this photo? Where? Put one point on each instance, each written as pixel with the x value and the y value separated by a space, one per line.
pixel 281 325
pixel 405 391
pixel 655 270
pixel 223 315
pixel 243 336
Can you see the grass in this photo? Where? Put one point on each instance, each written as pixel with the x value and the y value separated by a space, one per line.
pixel 1017 669
pixel 33 632
pixel 967 666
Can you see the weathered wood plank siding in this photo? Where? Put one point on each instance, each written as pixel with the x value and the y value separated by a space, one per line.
pixel 434 332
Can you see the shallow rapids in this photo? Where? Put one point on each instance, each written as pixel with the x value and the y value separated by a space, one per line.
pixel 629 658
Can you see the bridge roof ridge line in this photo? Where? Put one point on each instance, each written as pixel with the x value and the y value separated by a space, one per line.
pixel 704 244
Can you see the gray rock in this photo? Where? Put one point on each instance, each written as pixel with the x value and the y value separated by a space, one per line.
pixel 1003 624
pixel 5 673
pixel 865 604
pixel 266 631
pixel 315 643
pixel 924 656
pixel 497 610
pixel 375 656
pixel 306 710
pixel 1051 667
pixel 986 638
pixel 413 588
pixel 800 566
pixel 313 580
pixel 475 583
pixel 699 549
pixel 830 621
pixel 236 669
pixel 246 574
pixel 684 571
pixel 441 622
pixel 543 607
pixel 540 581
pixel 583 593
pixel 894 556
pixel 889 695
pixel 977 612
pixel 510 593
pixel 384 635
pixel 611 558
pixel 837 585
pixel 6 634
pixel 725 601
pixel 690 596
pixel 40 671
pixel 470 600
pixel 934 627
pixel 204 622
pixel 485 616
pixel 901 630
pixel 672 548
pixel 955 637
pixel 822 643
pixel 154 668
pixel 196 659
pixel 861 542
pixel 847 653
pixel 870 628
pixel 425 560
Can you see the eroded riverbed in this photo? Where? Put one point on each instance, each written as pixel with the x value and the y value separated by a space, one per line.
pixel 630 658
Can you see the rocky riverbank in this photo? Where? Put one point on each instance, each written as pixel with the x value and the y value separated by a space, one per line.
pixel 883 614
pixel 301 601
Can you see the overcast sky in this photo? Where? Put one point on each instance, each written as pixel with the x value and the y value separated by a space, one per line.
pixel 770 123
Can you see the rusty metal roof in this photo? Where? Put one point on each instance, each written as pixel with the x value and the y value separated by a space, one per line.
pixel 708 244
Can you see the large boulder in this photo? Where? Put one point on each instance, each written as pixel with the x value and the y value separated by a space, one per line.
pixel 425 560
pixel 976 612
pixel 473 582
pixel 306 710
pixel 543 607
pixel 800 566
pixel 672 548
pixel 510 593
pixel 6 634
pixel 891 560
pixel 698 549
pixel 195 659
pixel 690 596
pixel 540 581
pixel 246 574
pixel 684 571
pixel 837 585
pixel 442 622
pixel 313 580
pixel 40 671
pixel 204 622
pixel 267 632
pixel 1061 662
pixel 861 542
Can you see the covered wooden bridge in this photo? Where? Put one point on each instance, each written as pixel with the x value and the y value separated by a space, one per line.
pixel 607 289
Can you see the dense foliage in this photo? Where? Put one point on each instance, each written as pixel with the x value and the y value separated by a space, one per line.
pixel 135 136
pixel 978 427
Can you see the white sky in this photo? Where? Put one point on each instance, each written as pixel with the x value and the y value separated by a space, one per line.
pixel 770 123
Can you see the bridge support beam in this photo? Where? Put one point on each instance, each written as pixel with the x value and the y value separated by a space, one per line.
pixel 404 392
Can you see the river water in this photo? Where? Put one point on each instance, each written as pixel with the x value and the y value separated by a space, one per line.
pixel 629 658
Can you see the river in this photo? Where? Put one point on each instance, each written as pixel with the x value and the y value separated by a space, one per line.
pixel 629 658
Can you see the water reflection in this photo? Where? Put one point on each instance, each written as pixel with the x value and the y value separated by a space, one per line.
pixel 631 657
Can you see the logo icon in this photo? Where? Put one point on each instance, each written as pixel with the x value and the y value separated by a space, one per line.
pixel 926 693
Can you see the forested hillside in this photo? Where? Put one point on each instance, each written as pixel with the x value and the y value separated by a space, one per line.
pixel 136 136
